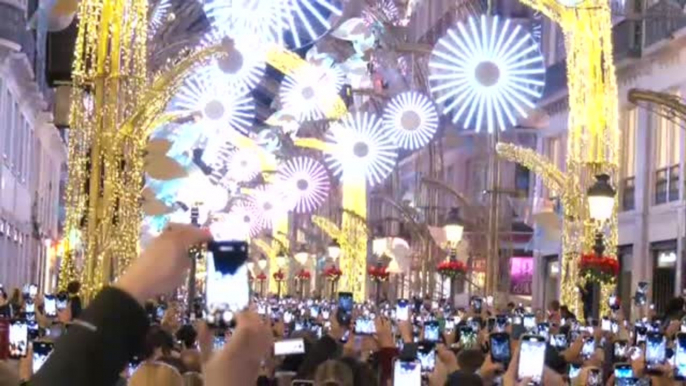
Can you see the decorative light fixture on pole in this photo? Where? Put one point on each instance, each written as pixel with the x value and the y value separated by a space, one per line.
pixel 334 250
pixel 302 255
pixel 454 230
pixel 262 264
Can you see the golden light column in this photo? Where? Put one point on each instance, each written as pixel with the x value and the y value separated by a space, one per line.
pixel 593 133
pixel 114 109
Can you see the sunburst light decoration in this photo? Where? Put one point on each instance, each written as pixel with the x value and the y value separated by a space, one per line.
pixel 310 91
pixel 486 73
pixel 244 215
pixel 239 165
pixel 270 203
pixel 160 15
pixel 306 181
pixel 220 107
pixel 244 64
pixel 411 119
pixel 290 23
pixel 359 146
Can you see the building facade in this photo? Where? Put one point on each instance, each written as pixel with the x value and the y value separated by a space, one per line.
pixel 33 156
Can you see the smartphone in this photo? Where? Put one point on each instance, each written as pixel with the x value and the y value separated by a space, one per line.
pixel 613 303
pixel 431 331
pixel 62 300
pixel 623 370
pixel 344 313
pixel 33 291
pixel 500 323
pixel 640 295
pixel 467 337
pixel 588 348
pixel 606 325
pixel 559 341
pixel 50 306
pixel 477 304
pixel 640 333
pixel 680 357
pixel 407 373
pixel 41 352
pixel 449 325
pixel 529 321
pixel 289 347
pixel 620 351
pixel 656 351
pixel 543 329
pixel 532 349
pixel 29 306
pixel 19 339
pixel 574 370
pixel 219 340
pixel 364 326
pixel 594 377
pixel 160 310
pixel 500 348
pixel 227 287
pixel 402 310
pixel 426 353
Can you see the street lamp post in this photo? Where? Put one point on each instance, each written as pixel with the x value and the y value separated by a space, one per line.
pixel 262 263
pixel 334 252
pixel 454 230
pixel 280 263
pixel 194 251
pixel 301 257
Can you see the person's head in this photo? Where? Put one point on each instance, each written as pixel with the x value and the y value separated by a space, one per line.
pixel 74 287
pixel 187 335
pixel 510 306
pixel 334 373
pixel 16 296
pixel 554 306
pixel 153 374
pixel 470 360
pixel 158 343
pixel 675 306
pixel 566 313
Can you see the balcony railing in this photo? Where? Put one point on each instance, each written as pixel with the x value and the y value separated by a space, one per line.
pixel 628 189
pixel 667 184
pixel 662 20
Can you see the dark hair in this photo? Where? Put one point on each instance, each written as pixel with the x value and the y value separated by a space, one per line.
pixel 675 307
pixel 470 360
pixel 554 305
pixel 74 287
pixel 187 335
pixel 157 338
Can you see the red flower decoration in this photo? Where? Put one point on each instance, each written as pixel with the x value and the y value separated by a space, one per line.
pixel 279 276
pixel 261 276
pixel 332 273
pixel 601 269
pixel 451 268
pixel 303 275
pixel 378 273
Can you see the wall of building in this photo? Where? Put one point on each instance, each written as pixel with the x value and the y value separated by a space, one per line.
pixel 32 155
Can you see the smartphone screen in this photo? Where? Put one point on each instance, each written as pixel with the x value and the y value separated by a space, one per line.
pixel 477 304
pixel 680 357
pixel 656 351
pixel 364 326
pixel 574 371
pixel 594 377
pixel 605 325
pixel 227 287
pixel 620 351
pixel 402 310
pixel 289 347
pixel 41 352
pixel 345 308
pixel 407 373
pixel 467 337
pixel 533 351
pixel 529 321
pixel 623 370
pixel 431 331
pixel 543 329
pixel 559 341
pixel 19 339
pixel 588 348
pixel 500 348
pixel 50 306
pixel 426 353
pixel 640 334
pixel 33 290
pixel 500 323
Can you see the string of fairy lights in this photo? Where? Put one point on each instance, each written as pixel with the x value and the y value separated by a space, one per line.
pixel 486 74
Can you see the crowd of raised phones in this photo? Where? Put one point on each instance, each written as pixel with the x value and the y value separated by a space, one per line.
pixel 125 338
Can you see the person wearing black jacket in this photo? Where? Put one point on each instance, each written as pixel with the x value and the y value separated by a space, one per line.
pixel 112 328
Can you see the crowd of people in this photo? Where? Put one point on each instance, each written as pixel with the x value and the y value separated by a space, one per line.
pixel 125 338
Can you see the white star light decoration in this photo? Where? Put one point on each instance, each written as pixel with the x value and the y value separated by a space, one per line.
pixel 270 203
pixel 220 107
pixel 244 215
pixel 487 73
pixel 242 67
pixel 306 181
pixel 360 147
pixel 309 91
pixel 242 164
pixel 285 22
pixel 411 119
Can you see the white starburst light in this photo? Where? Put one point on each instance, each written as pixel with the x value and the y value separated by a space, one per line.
pixel 270 203
pixel 310 91
pixel 160 15
pixel 487 73
pixel 411 119
pixel 306 181
pixel 219 106
pixel 240 165
pixel 242 67
pixel 292 23
pixel 360 147
pixel 244 216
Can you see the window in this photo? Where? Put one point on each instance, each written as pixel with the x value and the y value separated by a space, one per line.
pixel 16 124
pixel 628 162
pixel 9 124
pixel 522 181
pixel 21 148
pixel 667 149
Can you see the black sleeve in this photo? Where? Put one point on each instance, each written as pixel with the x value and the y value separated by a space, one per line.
pixel 98 345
